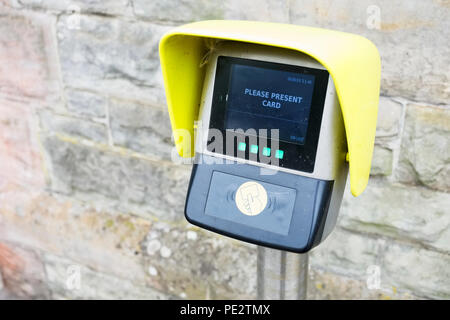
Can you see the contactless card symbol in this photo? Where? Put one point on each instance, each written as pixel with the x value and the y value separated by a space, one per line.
pixel 251 198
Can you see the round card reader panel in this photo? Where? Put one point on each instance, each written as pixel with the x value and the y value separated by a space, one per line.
pixel 260 205
pixel 251 198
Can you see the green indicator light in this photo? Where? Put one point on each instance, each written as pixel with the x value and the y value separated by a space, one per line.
pixel 242 146
pixel 254 148
pixel 279 154
pixel 266 152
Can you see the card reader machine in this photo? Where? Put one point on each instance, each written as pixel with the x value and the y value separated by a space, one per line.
pixel 282 114
pixel 270 165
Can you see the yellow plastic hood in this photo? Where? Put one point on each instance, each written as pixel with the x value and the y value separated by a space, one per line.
pixel 352 60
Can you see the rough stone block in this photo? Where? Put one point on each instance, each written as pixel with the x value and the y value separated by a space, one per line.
pixel 22 272
pixel 389 117
pixel 196 264
pixel 112 56
pixel 425 150
pixel 1 282
pixel 86 104
pixel 105 7
pixel 142 128
pixel 404 270
pixel 381 161
pixel 347 254
pixel 424 272
pixel 27 59
pixel 188 11
pixel 401 212
pixel 6 295
pixel 74 127
pixel 69 280
pixel 178 10
pixel 108 242
pixel 411 38
pixel 325 285
pixel 127 183
pixel 266 10
pixel 20 158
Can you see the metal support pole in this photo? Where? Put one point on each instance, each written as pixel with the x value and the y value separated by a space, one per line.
pixel 281 275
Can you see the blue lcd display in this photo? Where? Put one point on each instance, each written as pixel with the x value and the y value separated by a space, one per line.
pixel 262 98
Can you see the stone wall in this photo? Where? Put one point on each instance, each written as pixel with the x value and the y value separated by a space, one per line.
pixel 91 204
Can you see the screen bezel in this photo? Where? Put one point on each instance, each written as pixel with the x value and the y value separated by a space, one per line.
pixel 296 156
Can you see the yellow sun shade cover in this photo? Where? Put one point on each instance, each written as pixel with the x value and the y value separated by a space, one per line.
pixel 352 61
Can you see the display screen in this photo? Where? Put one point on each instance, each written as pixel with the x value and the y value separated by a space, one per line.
pixel 262 98
pixel 252 97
